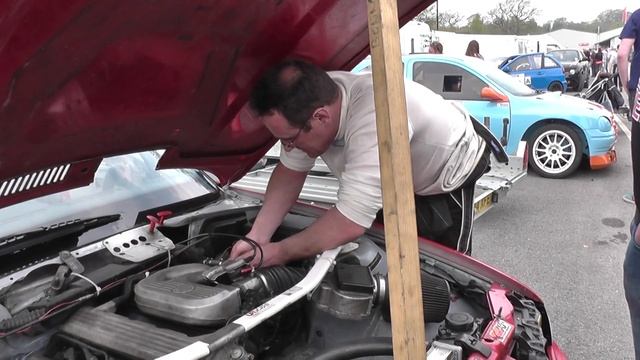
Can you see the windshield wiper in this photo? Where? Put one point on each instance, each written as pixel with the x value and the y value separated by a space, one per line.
pixel 75 227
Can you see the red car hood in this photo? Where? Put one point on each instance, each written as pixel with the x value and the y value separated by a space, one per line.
pixel 81 80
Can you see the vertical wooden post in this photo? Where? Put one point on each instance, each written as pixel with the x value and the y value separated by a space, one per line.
pixel 397 182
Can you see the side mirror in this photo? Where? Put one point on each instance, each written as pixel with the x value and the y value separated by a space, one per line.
pixel 506 69
pixel 492 94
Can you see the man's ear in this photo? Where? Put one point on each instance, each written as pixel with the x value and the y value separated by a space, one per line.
pixel 322 115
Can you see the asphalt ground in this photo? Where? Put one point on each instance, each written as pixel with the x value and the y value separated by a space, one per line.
pixel 566 239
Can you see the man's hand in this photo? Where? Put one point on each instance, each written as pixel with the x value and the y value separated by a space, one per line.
pixel 242 249
pixel 272 253
pixel 330 230
pixel 282 192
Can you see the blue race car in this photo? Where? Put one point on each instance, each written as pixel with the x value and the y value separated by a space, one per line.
pixel 538 71
pixel 560 130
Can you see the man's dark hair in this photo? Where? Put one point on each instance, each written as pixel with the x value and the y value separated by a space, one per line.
pixel 295 88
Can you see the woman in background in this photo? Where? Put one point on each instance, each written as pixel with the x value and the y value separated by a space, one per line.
pixel 435 47
pixel 473 49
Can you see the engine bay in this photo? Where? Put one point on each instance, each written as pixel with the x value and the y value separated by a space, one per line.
pixel 145 293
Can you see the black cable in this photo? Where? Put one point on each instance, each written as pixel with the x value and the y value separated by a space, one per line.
pixel 200 237
pixel 21 319
pixel 254 244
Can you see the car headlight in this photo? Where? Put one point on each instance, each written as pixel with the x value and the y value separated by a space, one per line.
pixel 572 71
pixel 604 124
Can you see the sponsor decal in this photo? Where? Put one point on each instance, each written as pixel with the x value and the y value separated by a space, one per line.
pixel 523 78
pixel 260 309
pixel 499 330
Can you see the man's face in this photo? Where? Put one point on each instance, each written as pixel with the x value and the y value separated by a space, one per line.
pixel 313 141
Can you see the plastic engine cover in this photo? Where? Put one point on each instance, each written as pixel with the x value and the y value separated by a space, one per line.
pixel 181 294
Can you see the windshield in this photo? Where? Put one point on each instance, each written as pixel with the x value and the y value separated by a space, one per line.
pixel 505 81
pixel 565 55
pixel 127 185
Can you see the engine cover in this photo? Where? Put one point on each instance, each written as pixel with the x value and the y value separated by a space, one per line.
pixel 181 294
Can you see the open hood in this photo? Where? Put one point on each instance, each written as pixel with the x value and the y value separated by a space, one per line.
pixel 81 80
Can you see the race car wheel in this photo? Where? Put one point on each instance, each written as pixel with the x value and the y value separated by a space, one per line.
pixel 555 151
pixel 556 86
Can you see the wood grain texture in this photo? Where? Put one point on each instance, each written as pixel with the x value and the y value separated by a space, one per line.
pixel 397 183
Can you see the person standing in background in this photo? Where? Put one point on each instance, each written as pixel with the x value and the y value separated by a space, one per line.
pixel 587 54
pixel 473 49
pixel 596 62
pixel 613 65
pixel 435 47
pixel 630 39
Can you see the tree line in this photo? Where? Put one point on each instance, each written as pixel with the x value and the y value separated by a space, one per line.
pixel 515 17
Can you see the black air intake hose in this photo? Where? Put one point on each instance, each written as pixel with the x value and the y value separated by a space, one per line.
pixel 435 298
pixel 377 346
pixel 22 318
pixel 280 278
pixel 128 288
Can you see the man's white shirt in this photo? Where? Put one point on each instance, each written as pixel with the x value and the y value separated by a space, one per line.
pixel 445 149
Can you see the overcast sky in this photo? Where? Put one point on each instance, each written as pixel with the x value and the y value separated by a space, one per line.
pixel 573 10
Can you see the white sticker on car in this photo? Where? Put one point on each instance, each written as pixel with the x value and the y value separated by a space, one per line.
pixel 499 331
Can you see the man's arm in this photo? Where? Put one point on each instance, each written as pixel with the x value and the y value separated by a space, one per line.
pixel 330 230
pixel 282 192
pixel 623 61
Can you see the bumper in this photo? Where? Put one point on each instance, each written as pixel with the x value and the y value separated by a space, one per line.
pixel 572 78
pixel 604 160
pixel 555 353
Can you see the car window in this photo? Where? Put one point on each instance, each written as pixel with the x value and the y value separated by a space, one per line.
pixel 567 55
pixel 536 61
pixel 450 81
pixel 500 78
pixel 549 63
pixel 520 64
pixel 125 184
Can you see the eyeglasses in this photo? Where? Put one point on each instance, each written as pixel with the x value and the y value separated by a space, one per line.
pixel 290 143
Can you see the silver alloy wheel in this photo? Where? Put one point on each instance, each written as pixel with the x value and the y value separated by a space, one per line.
pixel 554 151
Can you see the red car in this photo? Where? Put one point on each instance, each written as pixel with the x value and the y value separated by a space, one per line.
pixel 115 115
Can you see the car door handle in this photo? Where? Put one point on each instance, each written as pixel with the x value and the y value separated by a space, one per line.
pixel 539 73
pixel 505 128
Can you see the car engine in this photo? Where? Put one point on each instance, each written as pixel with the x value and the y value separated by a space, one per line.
pixel 143 294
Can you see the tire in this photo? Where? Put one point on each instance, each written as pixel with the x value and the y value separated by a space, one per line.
pixel 545 157
pixel 556 86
